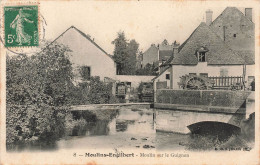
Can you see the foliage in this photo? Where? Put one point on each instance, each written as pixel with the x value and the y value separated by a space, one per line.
pixel 140 87
pixel 75 127
pixel 36 86
pixel 39 90
pixel 93 91
pixel 199 142
pixel 149 69
pixel 125 54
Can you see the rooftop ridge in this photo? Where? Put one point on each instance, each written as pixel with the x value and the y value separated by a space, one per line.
pixel 84 35
pixel 185 58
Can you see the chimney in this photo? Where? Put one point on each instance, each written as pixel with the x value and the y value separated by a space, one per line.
pixel 248 13
pixel 175 51
pixel 209 17
pixel 175 47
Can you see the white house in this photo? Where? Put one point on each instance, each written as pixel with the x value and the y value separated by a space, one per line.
pixel 85 52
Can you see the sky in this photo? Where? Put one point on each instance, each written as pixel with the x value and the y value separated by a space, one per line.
pixel 147 22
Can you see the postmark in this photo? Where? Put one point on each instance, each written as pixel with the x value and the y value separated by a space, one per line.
pixel 21 26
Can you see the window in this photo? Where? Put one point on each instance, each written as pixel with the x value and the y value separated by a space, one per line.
pixel 167 76
pixel 85 72
pixel 204 74
pixel 223 72
pixel 235 35
pixel 201 56
pixel 201 53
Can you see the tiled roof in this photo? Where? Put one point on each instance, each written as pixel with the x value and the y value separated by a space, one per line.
pixel 247 55
pixel 165 54
pixel 161 73
pixel 167 62
pixel 165 47
pixel 203 36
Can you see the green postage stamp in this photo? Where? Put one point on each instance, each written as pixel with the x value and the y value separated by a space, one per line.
pixel 21 26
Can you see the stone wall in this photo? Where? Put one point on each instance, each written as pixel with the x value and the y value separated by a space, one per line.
pixel 177 109
pixel 222 98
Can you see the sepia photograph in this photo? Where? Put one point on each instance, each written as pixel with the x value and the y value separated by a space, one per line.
pixel 129 82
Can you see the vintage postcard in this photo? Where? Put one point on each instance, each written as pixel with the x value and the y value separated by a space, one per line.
pixel 129 82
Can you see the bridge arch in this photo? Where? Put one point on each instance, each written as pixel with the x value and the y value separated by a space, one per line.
pixel 215 128
pixel 180 121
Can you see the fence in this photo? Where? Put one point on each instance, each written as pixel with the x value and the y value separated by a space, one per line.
pixel 225 82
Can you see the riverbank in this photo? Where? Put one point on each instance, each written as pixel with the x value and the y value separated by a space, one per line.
pixel 126 128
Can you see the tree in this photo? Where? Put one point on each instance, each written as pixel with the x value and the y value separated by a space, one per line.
pixel 139 60
pixel 130 65
pixel 36 86
pixel 149 69
pixel 125 54
pixel 120 51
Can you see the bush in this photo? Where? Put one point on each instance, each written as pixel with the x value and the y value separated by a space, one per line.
pixel 93 91
pixel 36 86
pixel 39 91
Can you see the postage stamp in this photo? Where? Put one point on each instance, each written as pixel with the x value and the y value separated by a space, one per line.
pixel 21 26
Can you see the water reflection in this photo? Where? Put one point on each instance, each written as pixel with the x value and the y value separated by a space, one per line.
pixel 132 128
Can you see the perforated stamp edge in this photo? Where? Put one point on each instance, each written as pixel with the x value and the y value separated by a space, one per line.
pixel 17 4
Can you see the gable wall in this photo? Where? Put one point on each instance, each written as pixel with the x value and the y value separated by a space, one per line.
pixel 235 23
pixel 150 56
pixel 86 53
pixel 162 78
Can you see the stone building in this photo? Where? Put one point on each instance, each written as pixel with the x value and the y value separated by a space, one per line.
pixel 159 54
pixel 150 56
pixel 222 48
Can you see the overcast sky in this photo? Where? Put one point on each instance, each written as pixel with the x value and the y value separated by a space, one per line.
pixel 146 22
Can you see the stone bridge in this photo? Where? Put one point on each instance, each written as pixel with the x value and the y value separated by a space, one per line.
pixel 90 107
pixel 176 110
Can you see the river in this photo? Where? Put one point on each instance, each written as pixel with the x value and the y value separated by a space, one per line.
pixel 129 129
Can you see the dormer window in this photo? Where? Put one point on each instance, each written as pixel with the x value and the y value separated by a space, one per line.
pixel 201 54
